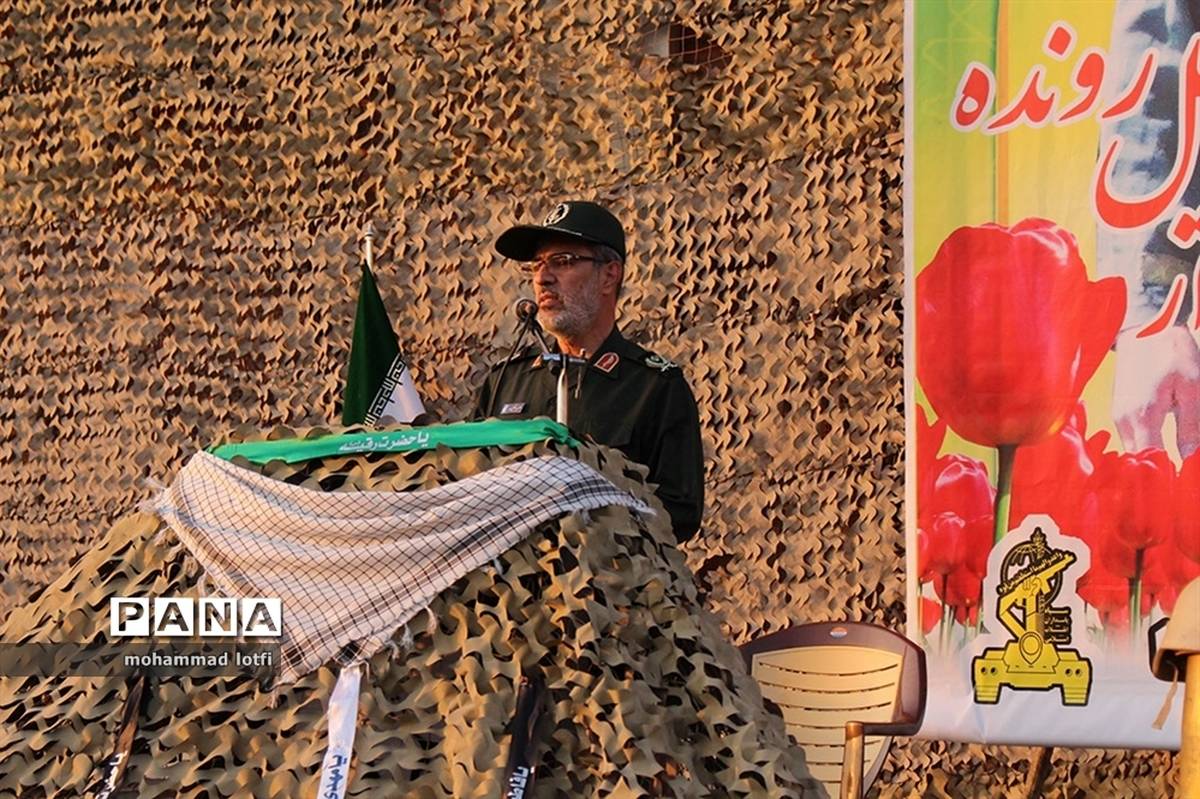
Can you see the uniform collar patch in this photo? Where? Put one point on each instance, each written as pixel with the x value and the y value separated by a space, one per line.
pixel 607 362
pixel 660 363
pixel 512 407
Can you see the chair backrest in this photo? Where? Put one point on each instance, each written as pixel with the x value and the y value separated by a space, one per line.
pixel 823 675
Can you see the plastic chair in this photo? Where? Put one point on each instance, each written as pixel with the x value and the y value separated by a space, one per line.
pixel 843 689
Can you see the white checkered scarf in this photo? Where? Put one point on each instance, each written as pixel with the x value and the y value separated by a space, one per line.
pixel 353 567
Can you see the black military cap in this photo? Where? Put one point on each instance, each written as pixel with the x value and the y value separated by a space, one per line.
pixel 576 219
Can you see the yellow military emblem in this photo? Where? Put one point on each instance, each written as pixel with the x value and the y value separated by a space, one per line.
pixel 1038 656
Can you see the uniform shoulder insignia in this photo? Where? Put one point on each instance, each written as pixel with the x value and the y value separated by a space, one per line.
pixel 660 363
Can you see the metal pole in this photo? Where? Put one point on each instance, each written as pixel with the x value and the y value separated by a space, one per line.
pixel 852 762
pixel 1040 764
pixel 564 390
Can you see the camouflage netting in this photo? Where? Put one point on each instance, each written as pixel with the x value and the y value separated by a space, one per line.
pixel 645 695
pixel 185 184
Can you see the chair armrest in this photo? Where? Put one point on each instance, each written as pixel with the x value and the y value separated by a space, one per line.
pixel 852 762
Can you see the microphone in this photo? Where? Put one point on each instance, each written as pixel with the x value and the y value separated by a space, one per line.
pixel 526 311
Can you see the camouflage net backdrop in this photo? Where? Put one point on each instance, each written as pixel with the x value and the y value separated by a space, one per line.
pixel 185 185
pixel 645 696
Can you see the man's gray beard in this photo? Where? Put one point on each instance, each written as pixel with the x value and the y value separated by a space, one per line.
pixel 576 315
pixel 568 322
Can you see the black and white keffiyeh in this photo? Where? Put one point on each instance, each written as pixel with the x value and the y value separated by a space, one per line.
pixel 352 567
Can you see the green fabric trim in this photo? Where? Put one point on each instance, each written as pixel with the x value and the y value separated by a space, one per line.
pixel 461 435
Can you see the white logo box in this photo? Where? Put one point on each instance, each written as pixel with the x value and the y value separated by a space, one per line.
pixel 184 617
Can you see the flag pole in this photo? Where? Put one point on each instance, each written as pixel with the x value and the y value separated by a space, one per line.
pixel 369 235
pixel 379 385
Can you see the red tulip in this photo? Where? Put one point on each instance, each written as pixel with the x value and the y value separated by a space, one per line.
pixel 924 573
pixel 1136 495
pixel 1107 593
pixel 955 560
pixel 1116 619
pixel 1187 507
pixel 942 548
pixel 951 545
pixel 978 542
pixel 957 506
pixel 1089 524
pixel 963 590
pixel 1053 477
pixel 961 487
pixel 968 614
pixel 929 442
pixel 1010 329
pixel 1090 521
pixel 1096 444
pixel 1167 572
pixel 931 614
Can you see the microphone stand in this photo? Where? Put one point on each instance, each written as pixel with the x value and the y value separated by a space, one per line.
pixel 564 386
pixel 527 324
pixel 564 391
pixel 491 409
pixel 562 400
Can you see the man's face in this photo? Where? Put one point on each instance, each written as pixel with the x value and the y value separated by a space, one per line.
pixel 568 297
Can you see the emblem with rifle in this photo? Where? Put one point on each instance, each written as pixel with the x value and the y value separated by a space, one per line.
pixel 1038 657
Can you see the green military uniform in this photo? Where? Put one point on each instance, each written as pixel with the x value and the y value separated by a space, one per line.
pixel 624 397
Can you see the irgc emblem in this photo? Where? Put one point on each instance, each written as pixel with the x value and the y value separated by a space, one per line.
pixel 557 215
pixel 1037 653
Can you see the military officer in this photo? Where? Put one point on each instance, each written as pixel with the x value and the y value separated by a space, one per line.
pixel 621 395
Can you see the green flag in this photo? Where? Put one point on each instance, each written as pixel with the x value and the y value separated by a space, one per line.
pixel 379 384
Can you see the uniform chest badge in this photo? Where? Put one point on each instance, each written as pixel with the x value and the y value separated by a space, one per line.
pixel 660 363
pixel 512 407
pixel 607 362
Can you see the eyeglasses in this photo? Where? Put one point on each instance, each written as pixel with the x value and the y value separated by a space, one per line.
pixel 556 262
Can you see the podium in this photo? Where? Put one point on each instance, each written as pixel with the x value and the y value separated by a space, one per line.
pixel 643 695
